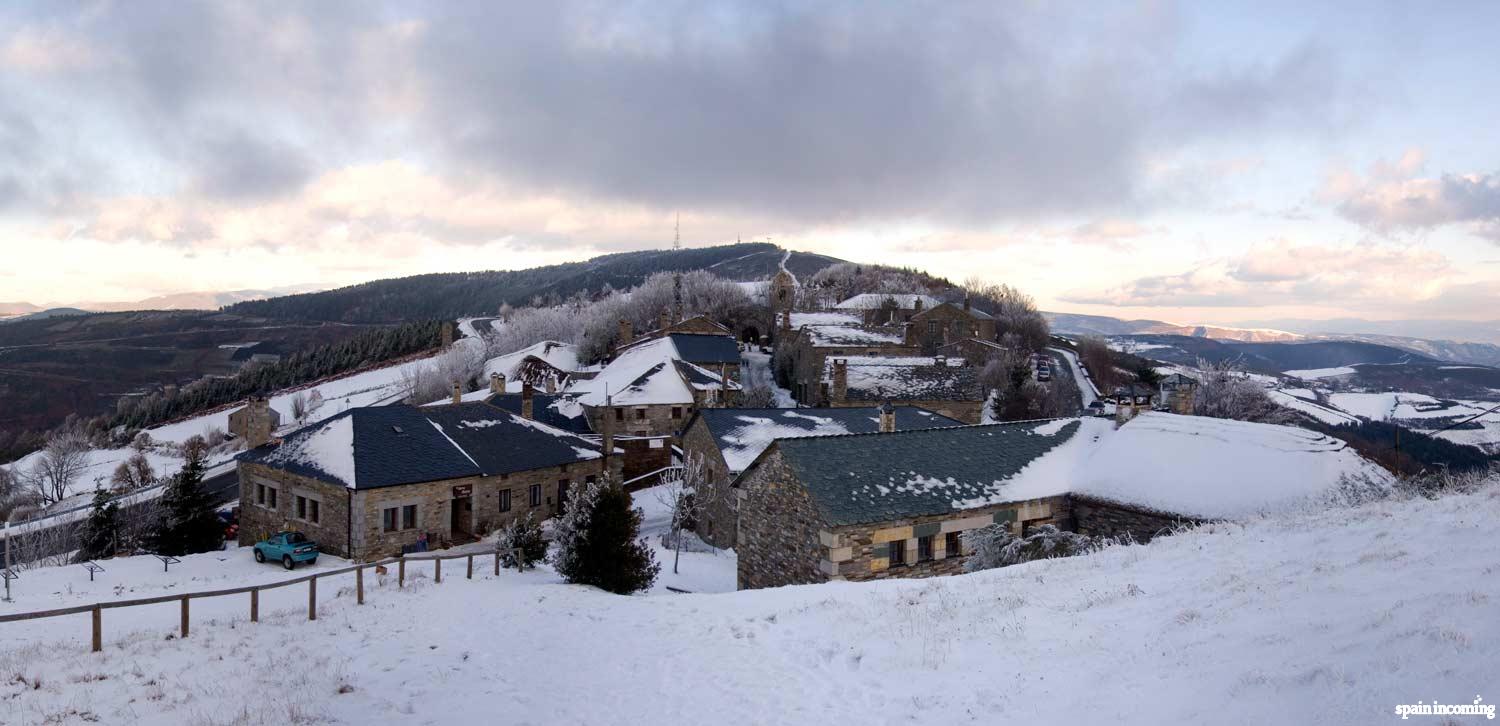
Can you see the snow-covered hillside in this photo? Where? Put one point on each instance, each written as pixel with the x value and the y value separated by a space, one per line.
pixel 1331 618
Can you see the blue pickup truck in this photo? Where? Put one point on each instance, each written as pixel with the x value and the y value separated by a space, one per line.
pixel 291 548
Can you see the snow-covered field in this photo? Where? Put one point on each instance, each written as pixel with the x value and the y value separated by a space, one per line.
pixel 1327 618
pixel 1316 373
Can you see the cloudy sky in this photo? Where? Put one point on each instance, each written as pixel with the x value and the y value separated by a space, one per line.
pixel 1203 162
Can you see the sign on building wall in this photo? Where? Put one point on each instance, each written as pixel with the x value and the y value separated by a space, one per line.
pixel 463 490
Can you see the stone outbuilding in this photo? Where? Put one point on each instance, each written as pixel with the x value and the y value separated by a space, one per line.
pixel 256 422
pixel 948 386
pixel 727 440
pixel 1178 393
pixel 371 482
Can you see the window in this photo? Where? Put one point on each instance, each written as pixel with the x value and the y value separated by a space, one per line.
pixel 308 509
pixel 676 412
pixel 388 519
pixel 536 495
pixel 619 414
pixel 640 414
pixel 271 497
pixel 924 548
pixel 932 327
pixel 953 544
pixel 505 500
pixel 260 494
pixel 898 552
pixel 409 516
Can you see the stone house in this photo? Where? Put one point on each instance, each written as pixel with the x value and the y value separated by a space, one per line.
pixel 256 422
pixel 868 506
pixel 1178 393
pixel 893 309
pixel 727 440
pixel 948 386
pixel 369 482
pixel 803 350
pixel 947 323
pixel 649 390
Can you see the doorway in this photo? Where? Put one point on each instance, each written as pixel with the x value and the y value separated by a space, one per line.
pixel 463 514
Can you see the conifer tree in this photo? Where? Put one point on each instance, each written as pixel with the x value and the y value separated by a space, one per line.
pixel 102 529
pixel 188 521
pixel 599 544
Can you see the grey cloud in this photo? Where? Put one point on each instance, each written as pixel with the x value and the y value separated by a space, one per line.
pixel 827 113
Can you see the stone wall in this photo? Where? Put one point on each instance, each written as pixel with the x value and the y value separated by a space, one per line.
pixel 434 502
pixel 259 521
pixel 946 324
pixel 643 456
pixel 862 552
pixel 716 525
pixel 651 420
pixel 777 541
pixel 1101 518
pixel 969 412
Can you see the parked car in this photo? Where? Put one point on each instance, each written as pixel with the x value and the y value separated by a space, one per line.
pixel 290 548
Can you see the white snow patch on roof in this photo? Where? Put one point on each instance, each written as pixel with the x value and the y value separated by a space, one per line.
pixel 329 449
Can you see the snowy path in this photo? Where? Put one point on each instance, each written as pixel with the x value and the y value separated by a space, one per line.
pixel 1335 618
pixel 1085 383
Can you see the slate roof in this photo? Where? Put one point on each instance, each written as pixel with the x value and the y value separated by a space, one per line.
pixel 973 312
pixel 874 300
pixel 742 433
pixel 381 446
pixel 909 378
pixel 706 349
pixel 552 410
pixel 869 478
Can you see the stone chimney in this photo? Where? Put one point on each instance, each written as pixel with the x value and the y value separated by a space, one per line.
pixel 458 393
pixel 551 383
pixel 966 302
pixel 526 393
pixel 626 334
pixel 497 383
pixel 840 389
pixel 258 426
pixel 940 360
pixel 724 385
pixel 607 429
pixel 917 304
pixel 786 320
pixel 664 320
pixel 887 418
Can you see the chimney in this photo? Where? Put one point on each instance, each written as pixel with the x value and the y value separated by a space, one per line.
pixel 966 302
pixel 724 385
pixel 257 421
pixel 664 320
pixel 941 361
pixel 786 320
pixel 526 394
pixel 887 418
pixel 608 426
pixel 626 334
pixel 458 393
pixel 497 383
pixel 917 303
pixel 840 390
pixel 551 383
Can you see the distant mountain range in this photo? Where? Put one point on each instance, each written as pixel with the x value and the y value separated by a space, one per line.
pixel 1457 351
pixel 10 311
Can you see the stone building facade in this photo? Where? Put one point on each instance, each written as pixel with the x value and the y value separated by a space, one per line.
pixel 1102 518
pixel 356 524
pixel 256 422
pixel 947 323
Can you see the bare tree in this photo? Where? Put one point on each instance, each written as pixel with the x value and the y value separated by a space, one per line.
pixel 1227 391
pixel 63 459
pixel 686 493
pixel 299 406
pixel 133 473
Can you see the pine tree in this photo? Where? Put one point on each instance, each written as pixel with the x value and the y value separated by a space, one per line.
pixel 189 523
pixel 525 534
pixel 599 544
pixel 102 530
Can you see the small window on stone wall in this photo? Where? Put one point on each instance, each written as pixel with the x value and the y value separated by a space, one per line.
pixel 536 495
pixel 505 500
pixel 388 519
pixel 952 544
pixel 924 548
pixel 409 516
pixel 898 552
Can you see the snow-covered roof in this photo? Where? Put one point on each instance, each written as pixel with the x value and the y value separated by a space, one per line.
pixel 830 336
pixel 366 448
pixel 908 378
pixel 1185 465
pixel 652 373
pixel 742 433
pixel 873 301
pixel 1215 468
pixel 562 356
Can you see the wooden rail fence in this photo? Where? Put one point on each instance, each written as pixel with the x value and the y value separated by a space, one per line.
pixel 97 609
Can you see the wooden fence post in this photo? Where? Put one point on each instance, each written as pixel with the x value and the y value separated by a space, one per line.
pixel 312 599
pixel 471 568
pixel 255 606
pixel 98 629
pixel 184 616
pixel 359 585
pixel 401 573
pixel 497 563
pixel 438 573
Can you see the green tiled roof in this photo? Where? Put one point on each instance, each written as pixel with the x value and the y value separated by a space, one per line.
pixel 863 478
